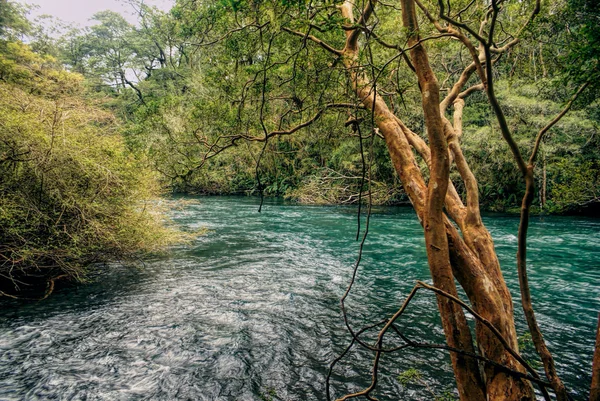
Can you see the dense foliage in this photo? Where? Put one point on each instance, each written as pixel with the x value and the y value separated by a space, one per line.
pixel 70 192
pixel 206 77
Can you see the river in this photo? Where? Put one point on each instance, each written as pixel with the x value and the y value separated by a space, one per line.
pixel 250 310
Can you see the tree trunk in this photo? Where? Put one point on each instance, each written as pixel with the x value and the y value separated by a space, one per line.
pixel 544 183
pixel 595 388
pixel 471 259
pixel 458 335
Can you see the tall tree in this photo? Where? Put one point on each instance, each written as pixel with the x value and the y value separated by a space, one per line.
pixel 13 20
pixel 377 49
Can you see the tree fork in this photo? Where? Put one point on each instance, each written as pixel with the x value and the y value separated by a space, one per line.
pixel 469 382
pixel 473 260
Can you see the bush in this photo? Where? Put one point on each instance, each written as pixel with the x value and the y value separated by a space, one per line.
pixel 70 193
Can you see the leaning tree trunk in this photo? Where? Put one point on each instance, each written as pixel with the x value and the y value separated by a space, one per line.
pixel 469 258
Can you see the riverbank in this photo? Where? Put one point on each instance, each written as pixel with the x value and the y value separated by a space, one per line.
pixel 591 209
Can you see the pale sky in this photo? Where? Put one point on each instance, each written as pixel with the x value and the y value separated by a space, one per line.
pixel 80 11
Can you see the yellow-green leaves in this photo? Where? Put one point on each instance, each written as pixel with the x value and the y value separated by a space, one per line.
pixel 70 192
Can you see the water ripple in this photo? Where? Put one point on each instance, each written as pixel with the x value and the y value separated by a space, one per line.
pixel 252 309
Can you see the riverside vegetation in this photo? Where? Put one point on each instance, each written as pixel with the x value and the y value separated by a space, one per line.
pixel 167 78
pixel 71 192
pixel 328 102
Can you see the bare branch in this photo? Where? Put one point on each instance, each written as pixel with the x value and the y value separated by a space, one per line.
pixel 314 39
pixel 467 92
pixel 229 33
pixel 352 39
pixel 536 333
pixel 517 37
pixel 533 376
pixel 556 119
pixel 457 23
pixel 489 325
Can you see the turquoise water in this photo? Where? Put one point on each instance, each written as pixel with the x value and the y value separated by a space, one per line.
pixel 250 311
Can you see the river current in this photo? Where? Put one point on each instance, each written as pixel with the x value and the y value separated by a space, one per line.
pixel 250 310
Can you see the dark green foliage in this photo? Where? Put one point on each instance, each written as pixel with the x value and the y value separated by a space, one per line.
pixel 572 141
pixel 580 19
pixel 214 77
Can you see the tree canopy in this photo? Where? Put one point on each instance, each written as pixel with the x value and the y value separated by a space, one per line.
pixel 175 71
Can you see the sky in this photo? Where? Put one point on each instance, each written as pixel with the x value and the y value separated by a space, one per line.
pixel 80 11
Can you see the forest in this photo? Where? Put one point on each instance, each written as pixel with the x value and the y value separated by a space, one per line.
pixel 456 108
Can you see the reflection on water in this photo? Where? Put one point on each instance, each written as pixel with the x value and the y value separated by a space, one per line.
pixel 250 311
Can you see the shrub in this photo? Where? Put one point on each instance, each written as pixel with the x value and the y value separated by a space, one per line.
pixel 70 193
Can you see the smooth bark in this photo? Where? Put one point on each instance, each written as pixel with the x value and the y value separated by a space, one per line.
pixel 469 258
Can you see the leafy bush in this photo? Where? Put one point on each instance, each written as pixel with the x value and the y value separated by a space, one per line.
pixel 70 193
pixel 576 185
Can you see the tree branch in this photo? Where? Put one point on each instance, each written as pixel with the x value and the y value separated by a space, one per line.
pixel 536 333
pixel 556 119
pixel 314 39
